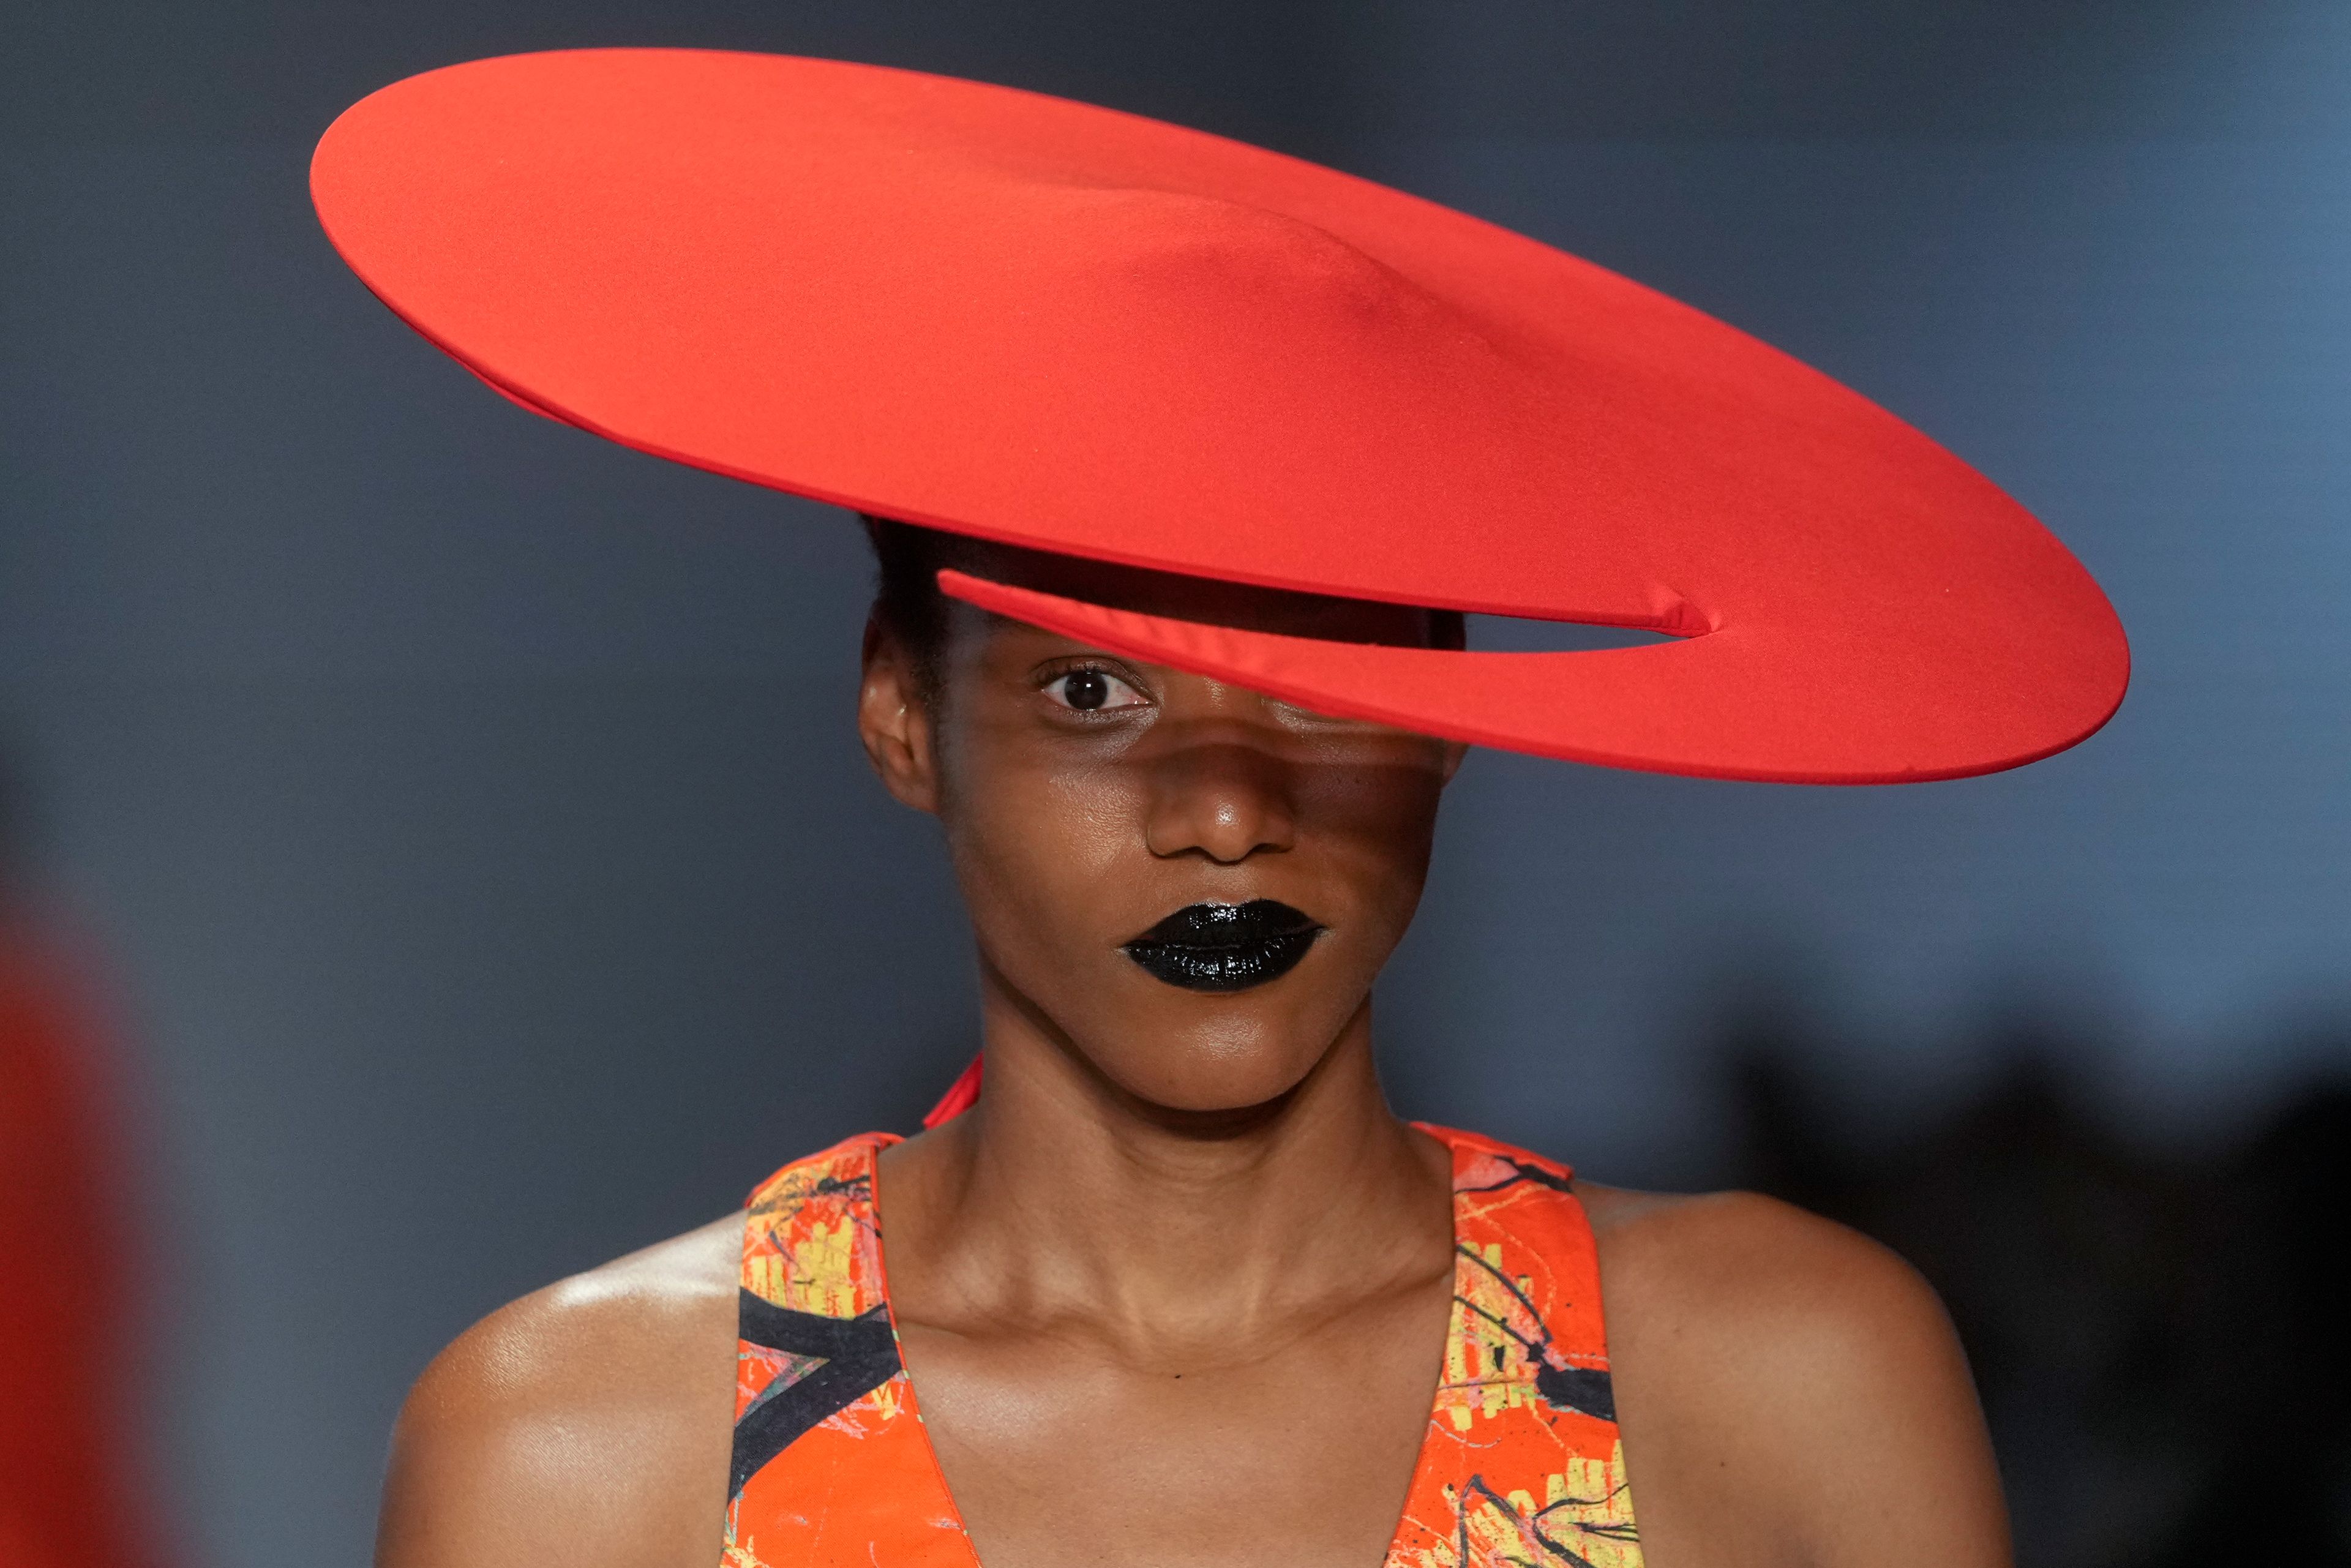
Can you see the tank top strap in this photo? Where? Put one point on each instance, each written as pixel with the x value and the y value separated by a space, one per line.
pixel 1522 1463
pixel 831 1462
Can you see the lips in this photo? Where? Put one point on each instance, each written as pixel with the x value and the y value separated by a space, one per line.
pixel 1225 946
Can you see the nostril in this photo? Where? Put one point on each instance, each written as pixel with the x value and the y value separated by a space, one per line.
pixel 1223 810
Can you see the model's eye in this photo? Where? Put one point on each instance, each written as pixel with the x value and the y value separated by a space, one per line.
pixel 1093 691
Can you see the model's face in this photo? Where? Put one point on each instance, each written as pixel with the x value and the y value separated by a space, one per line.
pixel 1191 886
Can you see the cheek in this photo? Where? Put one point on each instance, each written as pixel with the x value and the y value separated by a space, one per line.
pixel 1377 820
pixel 1040 849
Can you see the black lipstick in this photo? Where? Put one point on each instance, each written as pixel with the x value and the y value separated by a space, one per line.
pixel 1225 946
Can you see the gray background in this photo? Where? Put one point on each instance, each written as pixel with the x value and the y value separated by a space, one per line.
pixel 468 811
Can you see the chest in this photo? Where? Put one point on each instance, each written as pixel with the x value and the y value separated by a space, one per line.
pixel 1467 1424
pixel 1298 1449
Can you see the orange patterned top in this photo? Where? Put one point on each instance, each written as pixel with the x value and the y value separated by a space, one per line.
pixel 1522 1465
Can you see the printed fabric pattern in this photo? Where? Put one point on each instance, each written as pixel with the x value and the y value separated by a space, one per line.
pixel 1520 1466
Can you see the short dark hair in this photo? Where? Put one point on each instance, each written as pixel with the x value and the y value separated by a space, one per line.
pixel 908 604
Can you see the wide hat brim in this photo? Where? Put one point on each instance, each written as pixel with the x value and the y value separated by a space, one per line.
pixel 1063 326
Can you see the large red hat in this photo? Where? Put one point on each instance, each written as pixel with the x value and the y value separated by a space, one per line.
pixel 1062 327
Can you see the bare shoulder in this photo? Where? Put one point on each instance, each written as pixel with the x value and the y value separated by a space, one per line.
pixel 1749 1272
pixel 587 1423
pixel 1788 1390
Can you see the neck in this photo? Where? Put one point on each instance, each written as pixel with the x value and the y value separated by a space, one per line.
pixel 1060 1200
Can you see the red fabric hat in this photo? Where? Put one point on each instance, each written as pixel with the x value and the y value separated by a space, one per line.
pixel 1074 330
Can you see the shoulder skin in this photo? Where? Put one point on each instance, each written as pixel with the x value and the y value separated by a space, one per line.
pixel 1790 1392
pixel 586 1424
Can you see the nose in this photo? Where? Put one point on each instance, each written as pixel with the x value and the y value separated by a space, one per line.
pixel 1222 796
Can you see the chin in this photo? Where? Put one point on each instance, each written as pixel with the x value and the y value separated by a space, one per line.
pixel 1236 1061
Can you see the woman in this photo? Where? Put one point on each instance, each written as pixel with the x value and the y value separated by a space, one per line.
pixel 1216 446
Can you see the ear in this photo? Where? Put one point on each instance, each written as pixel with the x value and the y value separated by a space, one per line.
pixel 1455 750
pixel 892 722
